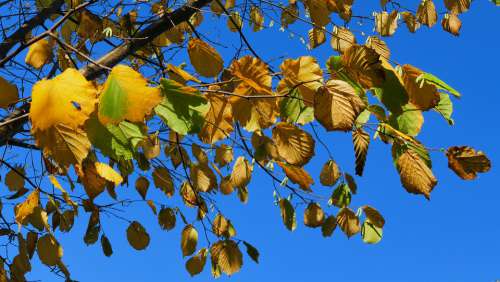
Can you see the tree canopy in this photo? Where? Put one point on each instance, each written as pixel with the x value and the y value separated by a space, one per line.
pixel 100 96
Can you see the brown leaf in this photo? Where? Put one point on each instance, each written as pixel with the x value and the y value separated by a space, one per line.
pixel 411 21
pixel 466 162
pixel 203 178
pixel 204 58
pixel 386 23
pixel 303 74
pixel 379 46
pixel 241 173
pixel 142 185
pixel 223 155
pixel 288 214
pixel 223 227
pixel 329 226
pixel 195 264
pixel 189 240
pixel 163 181
pixel 374 216
pixel 166 218
pixel 227 256
pixel 361 141
pixel 218 120
pixel 424 96
pixel 457 6
pixel 137 236
pixel 342 39
pixel 452 24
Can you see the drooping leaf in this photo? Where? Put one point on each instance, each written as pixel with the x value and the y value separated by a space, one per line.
pixel 361 141
pixel 26 208
pixel 252 252
pixel 294 110
pixel 163 181
pixel 14 179
pixel 189 240
pixel 374 216
pixel 329 226
pixel 348 222
pixel 426 13
pixel 39 53
pixel 304 74
pixel 423 95
pixel 341 196
pixel 218 120
pixel 298 175
pixel 223 155
pixel 166 218
pixel 241 173
pixel 363 65
pixel 142 185
pixel 386 23
pixel 466 162
pixel 223 227
pixel 126 96
pixel 107 249
pixel 445 108
pixel 137 236
pixel 202 177
pixel 288 214
pixel 452 24
pixel 416 176
pixel 49 251
pixel 314 215
pixel 342 39
pixel 330 173
pixel 370 233
pixel 195 264
pixel 227 256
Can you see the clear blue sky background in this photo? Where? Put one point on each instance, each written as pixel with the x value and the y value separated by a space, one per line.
pixel 454 237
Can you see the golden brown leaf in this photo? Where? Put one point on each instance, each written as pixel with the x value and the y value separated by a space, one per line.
pixel 363 65
pixel 348 222
pixel 386 23
pixel 166 218
pixel 14 179
pixel 303 74
pixel 218 120
pixel 203 178
pixel 189 240
pixel 379 46
pixel 416 176
pixel 294 145
pixel 26 208
pixel 411 21
pixel 195 264
pixel 204 58
pixel 288 214
pixel 223 155
pixel 317 36
pixel 163 181
pixel 314 215
pixel 227 256
pixel 426 13
pixel 336 105
pixel 466 162
pixel 452 24
pixel 330 173
pixel 241 173
pixel 424 96
pixel 457 6
pixel 223 227
pixel 298 175
pixel 234 22
pixel 329 226
pixel 374 216
pixel 142 185
pixel 342 39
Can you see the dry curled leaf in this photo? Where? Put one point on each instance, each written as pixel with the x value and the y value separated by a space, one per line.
pixel 426 13
pixel 466 162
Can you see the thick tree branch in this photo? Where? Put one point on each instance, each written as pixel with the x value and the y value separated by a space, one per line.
pixel 14 122
pixel 19 35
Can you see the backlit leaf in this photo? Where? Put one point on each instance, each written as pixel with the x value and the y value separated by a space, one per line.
pixel 39 53
pixel 189 240
pixel 416 176
pixel 294 144
pixel 204 58
pixel 466 162
pixel 49 251
pixel 227 256
pixel 314 215
pixel 195 264
pixel 137 236
pixel 348 222
pixel 330 173
pixel 288 214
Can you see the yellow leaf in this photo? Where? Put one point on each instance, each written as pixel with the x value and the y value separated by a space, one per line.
pixel 180 75
pixel 108 173
pixel 330 173
pixel 336 105
pixel 137 236
pixel 466 162
pixel 126 96
pixel 348 222
pixel 151 146
pixel 256 18
pixel 314 215
pixel 304 74
pixel 317 37
pixel 189 240
pixel 204 58
pixel 294 144
pixel 26 208
pixel 49 251
pixel 319 12
pixel 457 6
pixel 203 178
pixel 67 99
pixel 8 93
pixel 223 227
pixel 379 46
pixel 242 172
pixel 416 176
pixel 39 53
pixel 234 21
pixel 92 181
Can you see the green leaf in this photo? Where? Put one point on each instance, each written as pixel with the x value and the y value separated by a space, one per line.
pixel 116 141
pixel 370 233
pixel 432 79
pixel 341 196
pixel 392 93
pixel 363 118
pixel 293 109
pixel 409 121
pixel 445 107
pixel 183 108
pixel 335 68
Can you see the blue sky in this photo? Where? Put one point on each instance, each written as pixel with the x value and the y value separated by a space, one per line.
pixel 453 237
